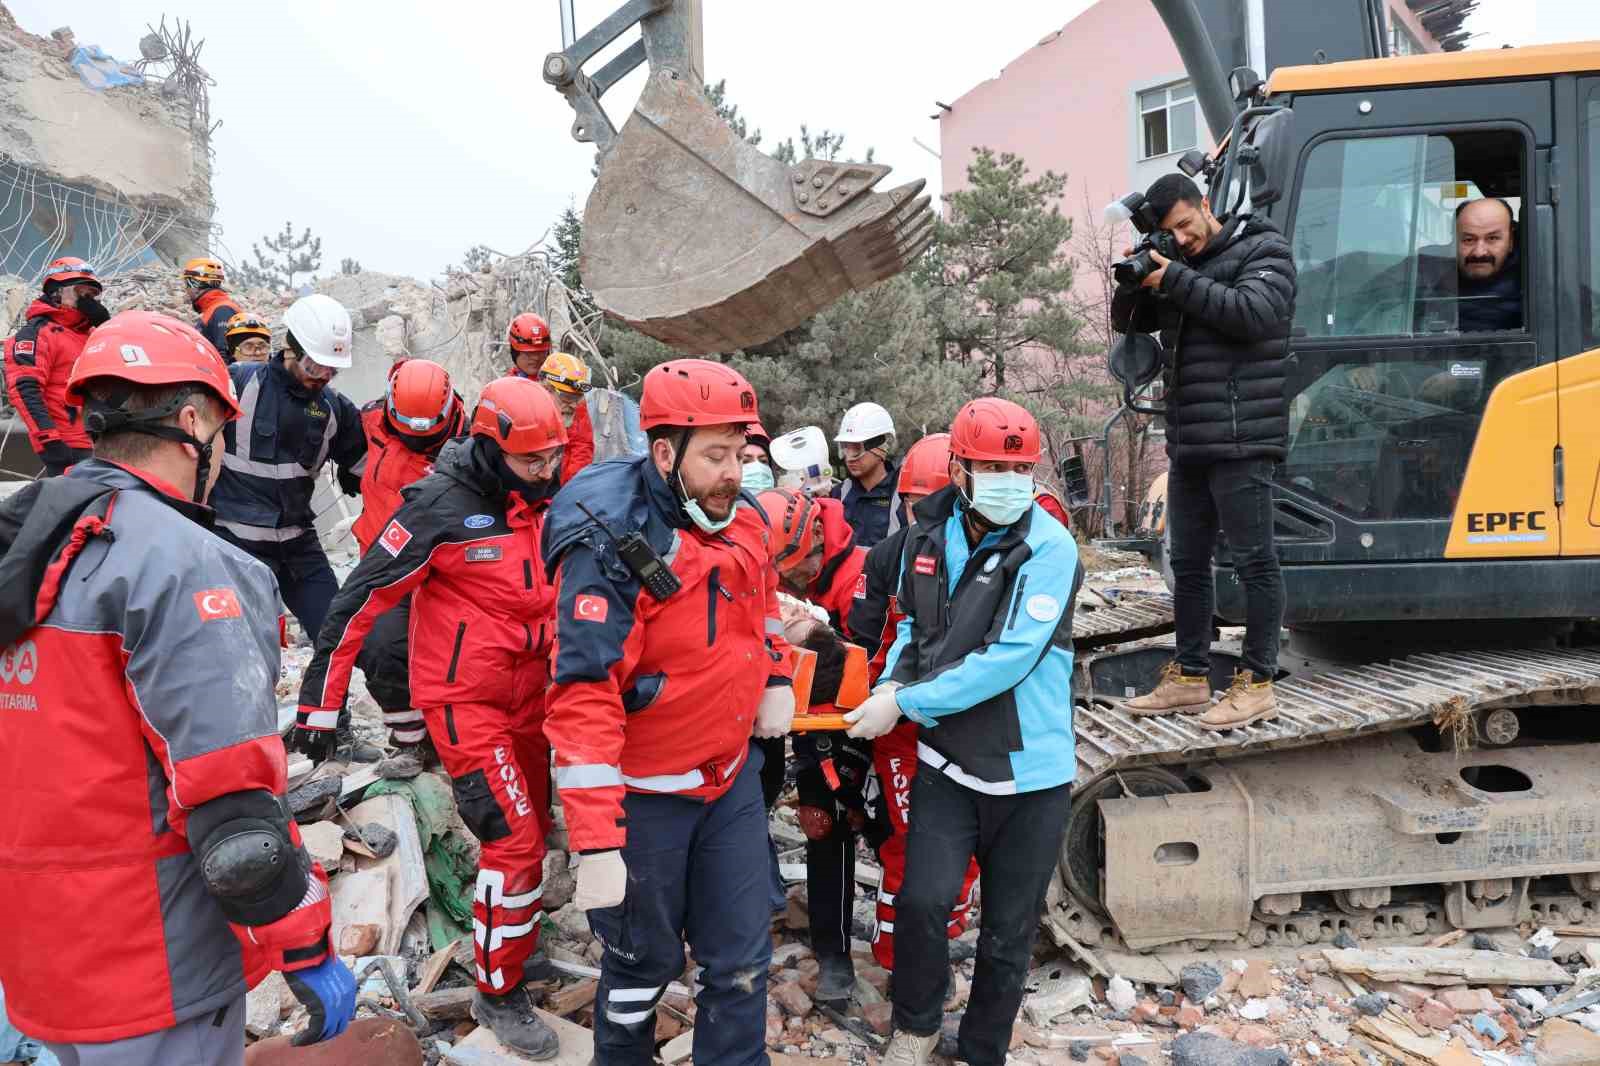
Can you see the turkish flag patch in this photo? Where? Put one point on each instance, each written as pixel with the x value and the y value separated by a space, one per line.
pixel 924 564
pixel 24 347
pixel 589 608
pixel 395 537
pixel 215 604
pixel 861 586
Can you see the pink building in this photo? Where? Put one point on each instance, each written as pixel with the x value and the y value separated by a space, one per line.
pixel 1105 101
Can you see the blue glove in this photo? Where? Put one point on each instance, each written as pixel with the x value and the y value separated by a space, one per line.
pixel 328 990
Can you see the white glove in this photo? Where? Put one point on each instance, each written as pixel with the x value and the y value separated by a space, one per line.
pixel 602 880
pixel 775 712
pixel 876 715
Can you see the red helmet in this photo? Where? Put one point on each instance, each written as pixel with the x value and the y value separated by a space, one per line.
pixel 529 333
pixel 926 467
pixel 793 516
pixel 145 348
pixel 1052 504
pixel 755 433
pixel 67 270
pixel 419 400
pixel 696 392
pixel 519 415
pixel 990 428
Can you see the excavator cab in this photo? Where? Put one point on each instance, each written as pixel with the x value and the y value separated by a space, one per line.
pixel 696 237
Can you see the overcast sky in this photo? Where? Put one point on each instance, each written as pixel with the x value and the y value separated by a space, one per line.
pixel 403 133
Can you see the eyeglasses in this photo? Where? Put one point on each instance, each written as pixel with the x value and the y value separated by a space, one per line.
pixel 254 346
pixel 538 463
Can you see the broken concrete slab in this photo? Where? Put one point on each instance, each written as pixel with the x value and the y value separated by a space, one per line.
pixel 404 872
pixel 360 898
pixel 1564 1043
pixel 1057 990
pixel 678 1049
pixel 324 841
pixel 1208 1049
pixel 480 1048
pixel 368 1042
pixel 1446 966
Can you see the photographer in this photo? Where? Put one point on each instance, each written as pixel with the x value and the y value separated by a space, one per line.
pixel 1224 310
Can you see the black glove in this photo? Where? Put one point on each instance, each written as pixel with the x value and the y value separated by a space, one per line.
pixel 60 454
pixel 318 744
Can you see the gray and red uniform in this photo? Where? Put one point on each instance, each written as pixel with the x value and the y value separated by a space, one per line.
pixel 481 627
pixel 38 361
pixel 138 735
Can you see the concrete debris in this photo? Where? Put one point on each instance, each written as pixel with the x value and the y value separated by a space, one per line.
pixel 1208 1049
pixel 1346 940
pixel 266 1005
pixel 1199 980
pixel 1563 1043
pixel 324 841
pixel 1120 994
pixel 480 1048
pixel 1055 991
pixel 1447 966
pixel 1373 1004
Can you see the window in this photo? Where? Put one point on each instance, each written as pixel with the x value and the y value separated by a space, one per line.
pixel 1402 42
pixel 1592 183
pixel 1376 236
pixel 1167 120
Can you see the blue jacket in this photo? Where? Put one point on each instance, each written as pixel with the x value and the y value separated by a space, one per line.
pixel 869 511
pixel 276 449
pixel 985 650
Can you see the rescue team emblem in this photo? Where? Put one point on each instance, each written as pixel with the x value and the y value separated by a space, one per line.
pixel 861 586
pixel 589 608
pixel 215 604
pixel 924 565
pixel 19 661
pixel 395 538
pixel 478 521
pixel 1043 608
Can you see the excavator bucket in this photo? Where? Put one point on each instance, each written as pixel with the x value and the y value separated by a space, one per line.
pixel 700 239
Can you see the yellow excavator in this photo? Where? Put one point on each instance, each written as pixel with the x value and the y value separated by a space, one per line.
pixel 1436 759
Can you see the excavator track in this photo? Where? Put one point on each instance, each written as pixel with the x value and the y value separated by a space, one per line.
pixel 1344 702
pixel 1113 615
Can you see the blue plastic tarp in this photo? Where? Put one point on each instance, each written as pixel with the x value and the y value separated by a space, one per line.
pixel 100 71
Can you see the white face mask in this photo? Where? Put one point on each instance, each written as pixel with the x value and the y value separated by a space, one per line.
pixel 1002 498
pixel 757 477
pixel 698 516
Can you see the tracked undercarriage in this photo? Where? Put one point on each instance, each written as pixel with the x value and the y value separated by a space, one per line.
pixel 1394 798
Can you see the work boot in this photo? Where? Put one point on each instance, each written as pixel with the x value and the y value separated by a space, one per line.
pixel 1247 700
pixel 1175 693
pixel 350 748
pixel 514 1022
pixel 409 761
pixel 836 979
pixel 908 1049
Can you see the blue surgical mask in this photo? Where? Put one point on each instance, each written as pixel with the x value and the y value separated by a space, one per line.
pixel 698 516
pixel 1002 498
pixel 757 477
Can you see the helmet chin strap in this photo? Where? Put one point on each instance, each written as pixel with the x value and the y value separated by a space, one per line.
pixel 109 417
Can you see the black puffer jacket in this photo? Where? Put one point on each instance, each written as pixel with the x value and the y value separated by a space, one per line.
pixel 1224 319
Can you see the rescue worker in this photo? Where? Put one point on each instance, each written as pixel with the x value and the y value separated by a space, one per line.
pixel 293 422
pixel 566 378
pixel 528 337
pixel 981 662
pixel 405 429
pixel 817 560
pixel 865 439
pixel 39 358
pixel 1045 497
pixel 154 775
pixel 669 650
pixel 249 339
pixel 465 545
pixel 874 618
pixel 203 280
pixel 760 473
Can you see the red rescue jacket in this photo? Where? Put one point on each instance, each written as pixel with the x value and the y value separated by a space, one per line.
pixel 480 613
pixel 580 444
pixel 839 581
pixel 136 686
pixel 38 362
pixel 652 695
pixel 391 465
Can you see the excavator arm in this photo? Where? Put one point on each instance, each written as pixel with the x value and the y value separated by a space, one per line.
pixel 698 238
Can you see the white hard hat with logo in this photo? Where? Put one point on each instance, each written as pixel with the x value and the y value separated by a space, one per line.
pixel 864 422
pixel 321 329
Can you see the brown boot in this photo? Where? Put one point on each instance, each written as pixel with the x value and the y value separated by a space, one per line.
pixel 1247 700
pixel 1175 693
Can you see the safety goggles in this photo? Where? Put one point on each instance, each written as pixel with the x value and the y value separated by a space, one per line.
pixel 419 423
pixel 570 385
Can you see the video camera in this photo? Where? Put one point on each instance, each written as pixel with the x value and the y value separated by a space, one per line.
pixel 1134 208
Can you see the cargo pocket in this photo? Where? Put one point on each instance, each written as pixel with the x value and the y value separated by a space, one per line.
pixel 645 691
pixel 478 808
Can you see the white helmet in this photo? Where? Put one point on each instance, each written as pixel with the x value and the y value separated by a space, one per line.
pixel 321 328
pixel 862 423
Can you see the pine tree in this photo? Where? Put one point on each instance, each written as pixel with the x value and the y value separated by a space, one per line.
pixel 286 256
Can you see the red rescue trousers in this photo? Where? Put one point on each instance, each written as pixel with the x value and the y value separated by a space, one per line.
pixel 499 763
pixel 894 756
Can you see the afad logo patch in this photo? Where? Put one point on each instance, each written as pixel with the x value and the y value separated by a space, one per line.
pixel 589 608
pixel 925 565
pixel 217 604
pixel 395 537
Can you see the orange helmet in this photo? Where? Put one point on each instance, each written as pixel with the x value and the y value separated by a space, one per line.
pixel 926 467
pixel 519 416
pixel 529 333
pixel 756 433
pixel 566 372
pixel 419 401
pixel 68 270
pixel 696 392
pixel 144 348
pixel 990 428
pixel 1052 505
pixel 244 324
pixel 793 516
pixel 203 269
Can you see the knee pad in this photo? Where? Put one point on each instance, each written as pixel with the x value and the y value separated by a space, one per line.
pixel 815 823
